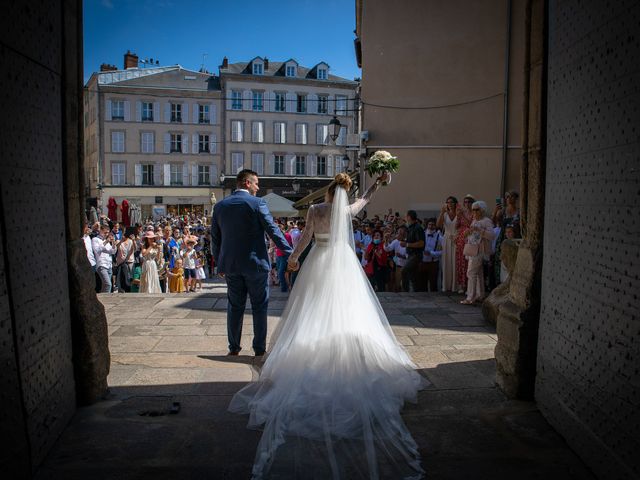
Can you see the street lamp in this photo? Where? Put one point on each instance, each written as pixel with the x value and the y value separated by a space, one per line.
pixel 334 128
pixel 222 179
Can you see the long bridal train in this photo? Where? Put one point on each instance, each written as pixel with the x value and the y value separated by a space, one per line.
pixel 330 392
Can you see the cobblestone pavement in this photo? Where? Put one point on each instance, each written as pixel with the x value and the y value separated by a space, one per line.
pixel 172 348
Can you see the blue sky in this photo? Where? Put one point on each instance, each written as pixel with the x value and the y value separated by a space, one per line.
pixel 175 31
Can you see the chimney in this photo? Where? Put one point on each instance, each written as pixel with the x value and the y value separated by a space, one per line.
pixel 266 63
pixel 225 62
pixel 130 60
pixel 105 67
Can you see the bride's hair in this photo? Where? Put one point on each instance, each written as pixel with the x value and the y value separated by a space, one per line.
pixel 340 180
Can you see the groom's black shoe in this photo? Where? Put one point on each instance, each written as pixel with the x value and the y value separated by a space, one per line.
pixel 231 354
pixel 259 354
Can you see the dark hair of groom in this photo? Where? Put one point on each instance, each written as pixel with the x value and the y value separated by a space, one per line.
pixel 243 176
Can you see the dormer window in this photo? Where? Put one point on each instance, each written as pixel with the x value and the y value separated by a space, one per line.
pixel 322 73
pixel 258 68
pixel 291 71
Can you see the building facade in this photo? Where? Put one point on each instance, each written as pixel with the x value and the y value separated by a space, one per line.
pixel 443 92
pixel 153 138
pixel 276 122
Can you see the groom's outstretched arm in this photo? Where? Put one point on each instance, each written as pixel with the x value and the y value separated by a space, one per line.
pixel 272 229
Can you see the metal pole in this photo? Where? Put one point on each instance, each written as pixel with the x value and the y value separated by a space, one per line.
pixel 505 119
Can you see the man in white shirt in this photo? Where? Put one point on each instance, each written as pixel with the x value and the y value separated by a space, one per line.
pixel 295 235
pixel 103 249
pixel 431 256
pixel 87 244
pixel 399 257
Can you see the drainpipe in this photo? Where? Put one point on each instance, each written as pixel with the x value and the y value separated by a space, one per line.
pixel 505 119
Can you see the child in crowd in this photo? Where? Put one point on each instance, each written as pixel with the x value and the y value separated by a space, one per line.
pixel 135 280
pixel 199 271
pixel 176 277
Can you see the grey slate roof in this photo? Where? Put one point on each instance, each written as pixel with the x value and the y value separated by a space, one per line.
pixel 174 77
pixel 276 69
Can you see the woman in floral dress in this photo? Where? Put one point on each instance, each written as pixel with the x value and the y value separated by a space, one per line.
pixel 464 222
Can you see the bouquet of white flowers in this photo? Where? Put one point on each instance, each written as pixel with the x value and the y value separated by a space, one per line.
pixel 381 162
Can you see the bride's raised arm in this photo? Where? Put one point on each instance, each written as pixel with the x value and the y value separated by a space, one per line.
pixel 360 203
pixel 307 233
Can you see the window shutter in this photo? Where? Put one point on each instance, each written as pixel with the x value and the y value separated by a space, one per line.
pixel 314 166
pixel 312 103
pixel 213 143
pixel 127 111
pixel 310 170
pixel 138 174
pixel 194 175
pixel 290 165
pixel 330 165
pixel 229 95
pixel 138 111
pixel 247 98
pixel 194 143
pixel 167 112
pixel 331 105
pixel 185 173
pixel 141 142
pixel 185 143
pixel 185 113
pixel 156 174
pixel 213 174
pixel 276 132
pixel 167 143
pixel 196 113
pixel 108 107
pixel 298 133
pixel 156 111
pixel 167 174
pixel 266 102
pixel 290 100
pixel 213 113
pixel 271 167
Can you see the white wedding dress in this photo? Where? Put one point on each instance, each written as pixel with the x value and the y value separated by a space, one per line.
pixel 330 392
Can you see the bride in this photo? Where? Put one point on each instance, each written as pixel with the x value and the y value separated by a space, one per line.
pixel 330 392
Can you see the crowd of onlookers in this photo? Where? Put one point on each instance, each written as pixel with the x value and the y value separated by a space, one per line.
pixel 456 251
pixel 170 254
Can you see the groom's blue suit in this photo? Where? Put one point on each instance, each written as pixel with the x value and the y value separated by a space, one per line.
pixel 238 246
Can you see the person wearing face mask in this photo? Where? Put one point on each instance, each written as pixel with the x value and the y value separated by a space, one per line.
pixel 399 257
pixel 376 267
pixel 430 257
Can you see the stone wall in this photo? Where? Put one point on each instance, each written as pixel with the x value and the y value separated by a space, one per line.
pixel 37 382
pixel 588 382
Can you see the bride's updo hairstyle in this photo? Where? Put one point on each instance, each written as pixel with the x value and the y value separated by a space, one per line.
pixel 340 180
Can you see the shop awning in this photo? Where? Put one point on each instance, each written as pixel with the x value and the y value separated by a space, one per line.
pixel 280 206
pixel 313 196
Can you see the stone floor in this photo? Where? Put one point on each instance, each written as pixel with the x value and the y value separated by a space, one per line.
pixel 171 348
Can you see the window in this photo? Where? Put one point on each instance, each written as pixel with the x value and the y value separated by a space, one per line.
pixel 301 104
pixel 236 100
pixel 147 141
pixel 257 163
pixel 117 142
pixel 342 163
pixel 257 132
pixel 257 101
pixel 321 166
pixel 147 174
pixel 176 112
pixel 300 165
pixel 278 164
pixel 176 142
pixel 237 162
pixel 118 174
pixel 237 130
pixel 257 68
pixel 279 132
pixel 281 99
pixel 204 175
pixel 301 133
pixel 322 134
pixel 291 71
pixel 203 143
pixel 147 112
pixel 323 100
pixel 322 74
pixel 342 136
pixel 341 104
pixel 203 114
pixel 176 173
pixel 117 109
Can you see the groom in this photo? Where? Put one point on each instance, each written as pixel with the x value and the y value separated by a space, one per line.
pixel 238 246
